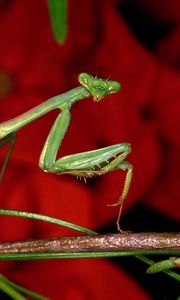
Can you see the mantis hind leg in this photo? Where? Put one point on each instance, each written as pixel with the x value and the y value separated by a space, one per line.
pixel 120 163
pixel 125 165
pixel 85 165
pixel 8 139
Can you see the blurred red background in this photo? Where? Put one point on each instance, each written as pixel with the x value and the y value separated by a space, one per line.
pixel 138 44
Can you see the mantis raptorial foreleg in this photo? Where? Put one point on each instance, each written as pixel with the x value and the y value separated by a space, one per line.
pixel 85 164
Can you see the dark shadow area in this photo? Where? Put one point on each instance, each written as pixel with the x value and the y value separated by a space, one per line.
pixel 146 29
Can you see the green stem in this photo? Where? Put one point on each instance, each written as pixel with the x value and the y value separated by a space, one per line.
pixel 99 254
pixel 7 289
pixel 21 289
pixel 23 214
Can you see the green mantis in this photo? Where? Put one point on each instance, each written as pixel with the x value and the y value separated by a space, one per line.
pixel 86 164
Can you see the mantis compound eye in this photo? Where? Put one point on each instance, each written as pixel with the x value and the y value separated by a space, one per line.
pixel 85 79
pixel 113 86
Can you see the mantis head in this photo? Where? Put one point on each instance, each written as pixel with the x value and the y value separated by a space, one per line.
pixel 98 87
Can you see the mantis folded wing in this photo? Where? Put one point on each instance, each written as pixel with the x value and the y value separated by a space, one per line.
pixel 85 164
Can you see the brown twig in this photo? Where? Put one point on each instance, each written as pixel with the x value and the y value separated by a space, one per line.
pixel 109 242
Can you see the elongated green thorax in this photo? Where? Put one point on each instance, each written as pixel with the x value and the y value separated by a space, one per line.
pixel 98 88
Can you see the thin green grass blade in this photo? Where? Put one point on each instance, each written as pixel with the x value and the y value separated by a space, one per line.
pixel 21 289
pixel 58 14
pixel 93 254
pixel 10 291
pixel 9 139
pixel 23 214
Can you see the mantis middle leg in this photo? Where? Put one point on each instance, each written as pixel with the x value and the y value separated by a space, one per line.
pixel 85 164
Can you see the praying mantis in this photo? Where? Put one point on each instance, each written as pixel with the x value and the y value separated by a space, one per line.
pixel 85 164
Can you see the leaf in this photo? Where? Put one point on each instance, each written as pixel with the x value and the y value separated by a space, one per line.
pixel 58 15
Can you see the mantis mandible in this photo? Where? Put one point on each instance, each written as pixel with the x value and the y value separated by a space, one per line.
pixel 86 164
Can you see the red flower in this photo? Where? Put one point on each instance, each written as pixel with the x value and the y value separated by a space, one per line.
pixel 145 113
